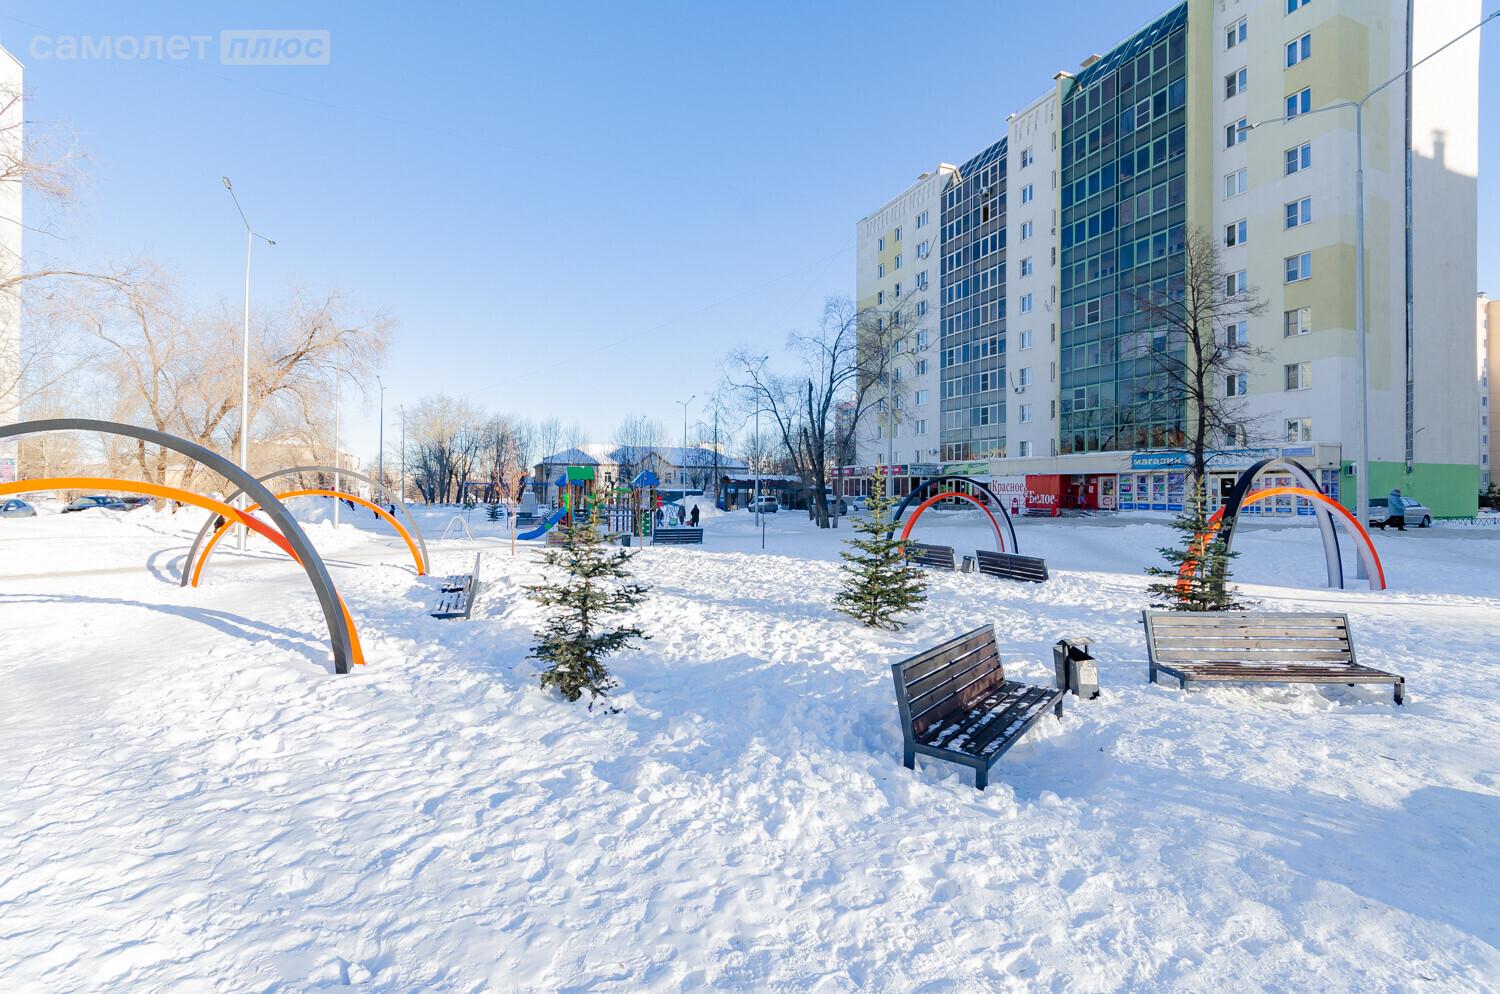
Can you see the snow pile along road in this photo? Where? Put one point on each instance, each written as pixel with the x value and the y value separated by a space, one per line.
pixel 192 801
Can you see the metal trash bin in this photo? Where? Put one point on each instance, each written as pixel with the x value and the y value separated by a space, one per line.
pixel 1075 668
pixel 967 565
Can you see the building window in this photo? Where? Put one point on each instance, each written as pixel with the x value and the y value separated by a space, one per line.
pixel 898 234
pixel 1297 51
pixel 922 280
pixel 921 340
pixel 1298 375
pixel 1025 449
pixel 880 300
pixel 1299 212
pixel 1027 227
pixel 1236 384
pixel 898 261
pixel 1299 103
pixel 920 427
pixel 1235 284
pixel 1299 430
pixel 1236 183
pixel 896 319
pixel 1236 233
pixel 1292 6
pixel 1236 133
pixel 1297 321
pixel 1025 303
pixel 920 398
pixel 922 220
pixel 1236 33
pixel 1027 157
pixel 881 269
pixel 924 249
pixel 1025 339
pixel 1026 415
pixel 1299 267
pixel 1298 158
pixel 921 308
pixel 1237 334
pixel 1028 193
pixel 1024 377
pixel 1236 82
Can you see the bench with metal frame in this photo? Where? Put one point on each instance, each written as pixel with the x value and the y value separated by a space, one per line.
pixel 458 592
pixel 677 536
pixel 930 556
pixel 957 705
pixel 1257 647
pixel 1011 566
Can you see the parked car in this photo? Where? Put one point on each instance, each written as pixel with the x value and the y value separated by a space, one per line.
pixel 92 501
pixel 15 507
pixel 136 503
pixel 767 504
pixel 1417 513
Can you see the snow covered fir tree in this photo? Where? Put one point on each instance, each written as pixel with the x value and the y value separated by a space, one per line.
pixel 1197 577
pixel 878 585
pixel 576 639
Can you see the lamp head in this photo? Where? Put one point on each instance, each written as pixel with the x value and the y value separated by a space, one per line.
pixel 227 184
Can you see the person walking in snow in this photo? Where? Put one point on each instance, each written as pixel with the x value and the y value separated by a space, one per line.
pixel 693 518
pixel 1396 512
pixel 681 516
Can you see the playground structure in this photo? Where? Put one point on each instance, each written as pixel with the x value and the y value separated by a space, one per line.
pixel 287 534
pixel 421 558
pixel 618 510
pixel 948 494
pixel 1328 511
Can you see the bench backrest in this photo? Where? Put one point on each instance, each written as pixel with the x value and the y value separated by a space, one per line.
pixel 947 678
pixel 677 536
pixel 1248 637
pixel 1011 566
pixel 931 556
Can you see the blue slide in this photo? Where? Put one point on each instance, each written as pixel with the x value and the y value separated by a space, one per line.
pixel 545 526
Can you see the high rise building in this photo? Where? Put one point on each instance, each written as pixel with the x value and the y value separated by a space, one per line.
pixel 1487 349
pixel 1229 120
pixel 10 255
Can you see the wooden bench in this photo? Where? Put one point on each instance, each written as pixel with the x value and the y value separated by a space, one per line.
pixel 677 536
pixel 1257 647
pixel 956 704
pixel 930 556
pixel 458 592
pixel 1010 566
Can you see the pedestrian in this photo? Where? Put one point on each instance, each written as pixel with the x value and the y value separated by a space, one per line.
pixel 681 516
pixel 659 516
pixel 693 518
pixel 1395 512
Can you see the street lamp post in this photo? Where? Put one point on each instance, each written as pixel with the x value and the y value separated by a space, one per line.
pixel 380 435
pixel 1362 371
pixel 401 492
pixel 683 470
pixel 250 235
pixel 755 372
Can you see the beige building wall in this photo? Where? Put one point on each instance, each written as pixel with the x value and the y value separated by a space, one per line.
pixel 10 257
pixel 1487 340
pixel 897 248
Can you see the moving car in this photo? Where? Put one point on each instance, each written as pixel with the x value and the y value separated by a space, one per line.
pixel 15 507
pixel 1418 515
pixel 96 500
pixel 767 503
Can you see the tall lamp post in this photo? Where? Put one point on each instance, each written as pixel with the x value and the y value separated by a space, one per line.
pixel 380 453
pixel 401 492
pixel 250 235
pixel 685 404
pixel 759 521
pixel 1362 371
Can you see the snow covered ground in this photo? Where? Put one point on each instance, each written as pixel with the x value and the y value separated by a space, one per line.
pixel 194 802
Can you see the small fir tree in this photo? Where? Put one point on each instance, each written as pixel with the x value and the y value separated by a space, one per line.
pixel 1197 577
pixel 576 638
pixel 878 585
pixel 493 509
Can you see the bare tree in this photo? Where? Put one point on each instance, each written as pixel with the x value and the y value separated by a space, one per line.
pixel 636 440
pixel 838 367
pixel 1196 342
pixel 524 440
pixel 444 435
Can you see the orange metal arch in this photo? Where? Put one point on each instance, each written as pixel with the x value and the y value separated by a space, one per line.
pixel 405 535
pixel 906 531
pixel 187 497
pixel 1259 495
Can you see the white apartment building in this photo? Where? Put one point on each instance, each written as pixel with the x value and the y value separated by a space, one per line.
pixel 10 256
pixel 1487 356
pixel 896 287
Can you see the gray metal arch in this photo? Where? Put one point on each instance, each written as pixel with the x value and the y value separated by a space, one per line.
pixel 411 522
pixel 322 583
pixel 1242 486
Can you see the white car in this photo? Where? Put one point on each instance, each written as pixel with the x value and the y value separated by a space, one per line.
pixel 767 504
pixel 1417 513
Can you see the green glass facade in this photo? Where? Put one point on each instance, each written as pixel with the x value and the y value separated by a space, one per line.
pixel 1124 212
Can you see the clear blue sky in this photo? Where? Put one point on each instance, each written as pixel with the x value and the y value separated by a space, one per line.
pixel 572 211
